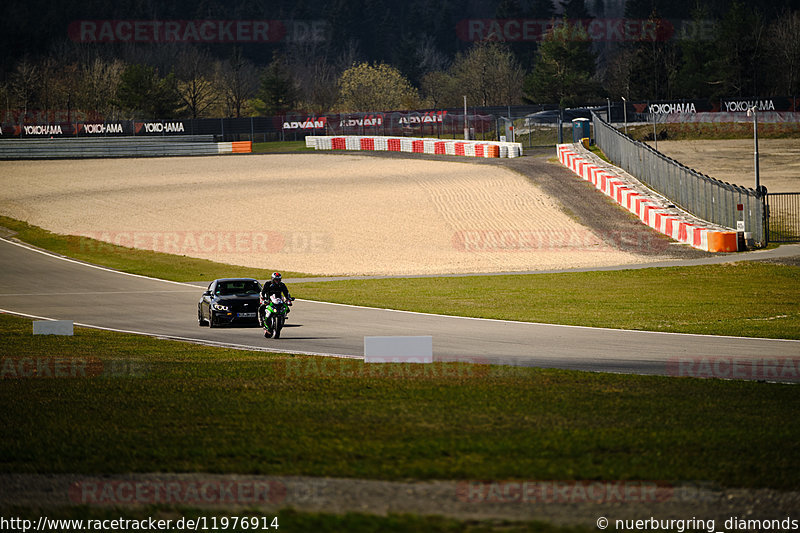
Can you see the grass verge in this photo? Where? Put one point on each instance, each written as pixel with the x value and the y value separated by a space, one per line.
pixel 147 405
pixel 143 262
pixel 691 131
pixel 741 299
pixel 280 147
pixel 599 153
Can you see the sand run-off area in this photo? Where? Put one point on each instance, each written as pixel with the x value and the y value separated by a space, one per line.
pixel 321 214
pixel 733 160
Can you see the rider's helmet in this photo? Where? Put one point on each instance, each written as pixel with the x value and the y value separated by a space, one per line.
pixel 276 277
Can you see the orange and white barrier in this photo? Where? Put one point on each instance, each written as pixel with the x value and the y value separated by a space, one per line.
pixel 647 205
pixel 236 147
pixel 415 146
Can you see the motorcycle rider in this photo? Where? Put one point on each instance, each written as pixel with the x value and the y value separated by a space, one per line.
pixel 276 287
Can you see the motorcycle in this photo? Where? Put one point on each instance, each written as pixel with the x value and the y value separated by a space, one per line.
pixel 272 315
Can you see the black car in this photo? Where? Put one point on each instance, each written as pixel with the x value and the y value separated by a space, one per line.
pixel 229 301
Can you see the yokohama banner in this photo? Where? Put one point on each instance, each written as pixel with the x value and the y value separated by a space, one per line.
pixel 726 105
pixel 741 105
pixel 95 129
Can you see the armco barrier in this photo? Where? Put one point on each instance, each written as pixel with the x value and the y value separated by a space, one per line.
pixel 416 146
pixel 651 208
pixel 118 147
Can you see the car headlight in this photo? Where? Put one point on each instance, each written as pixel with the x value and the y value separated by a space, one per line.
pixel 218 307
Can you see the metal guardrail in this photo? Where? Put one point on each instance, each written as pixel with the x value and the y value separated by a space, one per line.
pixel 707 198
pixel 108 147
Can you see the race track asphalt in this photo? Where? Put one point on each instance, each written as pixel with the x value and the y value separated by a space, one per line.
pixel 38 284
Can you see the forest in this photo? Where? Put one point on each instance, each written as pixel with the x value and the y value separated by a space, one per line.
pixel 209 58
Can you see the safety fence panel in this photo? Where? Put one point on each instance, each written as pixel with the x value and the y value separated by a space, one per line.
pixel 784 216
pixel 715 201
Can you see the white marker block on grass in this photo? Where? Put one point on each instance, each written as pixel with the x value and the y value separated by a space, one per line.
pixel 398 349
pixel 52 327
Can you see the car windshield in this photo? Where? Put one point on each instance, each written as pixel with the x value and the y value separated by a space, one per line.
pixel 238 287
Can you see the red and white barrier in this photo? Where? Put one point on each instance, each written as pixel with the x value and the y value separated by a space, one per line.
pixel 647 205
pixel 415 146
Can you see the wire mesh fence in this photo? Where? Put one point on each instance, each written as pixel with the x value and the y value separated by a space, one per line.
pixel 707 198
pixel 784 217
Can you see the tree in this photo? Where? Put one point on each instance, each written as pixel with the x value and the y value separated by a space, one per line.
pixel 23 83
pixel 439 89
pixel 784 40
pixel 697 58
pixel 564 70
pixel 240 81
pixel 575 9
pixel 376 87
pixel 317 79
pixel 196 83
pixel 418 55
pixel 524 50
pixel 142 93
pixel 654 61
pixel 429 56
pixel 488 74
pixel 99 80
pixel 278 92
pixel 739 46
pixel 619 73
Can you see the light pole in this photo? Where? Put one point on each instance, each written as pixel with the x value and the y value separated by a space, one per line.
pixel 466 125
pixel 655 134
pixel 625 113
pixel 754 111
pixel 608 101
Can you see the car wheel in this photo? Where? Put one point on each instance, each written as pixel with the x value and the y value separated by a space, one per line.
pixel 211 322
pixel 200 320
